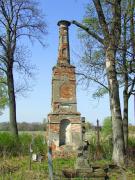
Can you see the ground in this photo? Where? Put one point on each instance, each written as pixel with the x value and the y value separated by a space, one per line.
pixel 18 168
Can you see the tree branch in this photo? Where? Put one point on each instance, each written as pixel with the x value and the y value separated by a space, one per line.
pixel 101 18
pixel 3 45
pixel 3 82
pixel 94 35
pixel 2 69
pixel 116 22
pixel 93 79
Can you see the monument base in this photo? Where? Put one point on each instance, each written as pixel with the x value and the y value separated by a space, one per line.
pixel 64 130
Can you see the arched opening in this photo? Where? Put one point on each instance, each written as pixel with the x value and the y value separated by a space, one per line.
pixel 65 132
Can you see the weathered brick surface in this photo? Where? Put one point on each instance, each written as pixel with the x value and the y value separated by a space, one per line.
pixel 56 106
pixel 54 127
pixel 75 120
pixel 64 71
pixel 66 90
pixel 51 117
pixel 63 44
pixel 76 128
pixel 64 105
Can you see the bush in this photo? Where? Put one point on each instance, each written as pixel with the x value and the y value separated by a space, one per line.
pixel 9 144
pixel 101 151
pixel 107 148
pixel 39 144
pixel 25 140
pixel 131 142
pixel 107 126
pixel 12 146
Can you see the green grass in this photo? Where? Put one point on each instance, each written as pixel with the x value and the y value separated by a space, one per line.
pixel 33 132
pixel 17 168
pixel 14 159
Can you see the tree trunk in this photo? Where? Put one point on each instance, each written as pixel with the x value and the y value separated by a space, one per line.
pixel 12 102
pixel 125 116
pixel 117 127
pixel 125 78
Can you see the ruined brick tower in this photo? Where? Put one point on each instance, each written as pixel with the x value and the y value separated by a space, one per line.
pixel 64 120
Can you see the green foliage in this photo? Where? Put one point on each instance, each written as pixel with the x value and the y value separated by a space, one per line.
pixel 131 142
pixel 107 126
pixel 3 96
pixel 100 92
pixel 88 126
pixel 91 19
pixel 17 168
pixel 39 144
pixel 104 149
pixel 107 148
pixel 8 144
pixel 92 59
pixel 93 22
pixel 25 140
pixel 12 146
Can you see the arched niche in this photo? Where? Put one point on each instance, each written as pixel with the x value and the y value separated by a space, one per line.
pixel 65 132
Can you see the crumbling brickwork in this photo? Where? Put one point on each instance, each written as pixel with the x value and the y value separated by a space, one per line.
pixel 64 125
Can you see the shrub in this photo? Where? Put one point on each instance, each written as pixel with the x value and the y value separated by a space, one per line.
pixel 107 126
pixel 25 140
pixel 101 151
pixel 10 145
pixel 107 148
pixel 131 142
pixel 39 144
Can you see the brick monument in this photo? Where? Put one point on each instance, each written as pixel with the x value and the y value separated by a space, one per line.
pixel 64 123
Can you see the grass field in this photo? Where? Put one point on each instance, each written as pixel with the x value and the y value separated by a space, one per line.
pixel 18 168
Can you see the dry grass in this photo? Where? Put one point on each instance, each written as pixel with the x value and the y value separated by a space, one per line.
pixel 17 168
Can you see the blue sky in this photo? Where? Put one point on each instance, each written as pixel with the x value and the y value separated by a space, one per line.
pixel 37 104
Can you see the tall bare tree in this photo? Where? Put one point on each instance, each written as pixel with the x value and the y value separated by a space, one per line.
pixel 110 39
pixel 126 60
pixel 18 19
pixel 92 64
